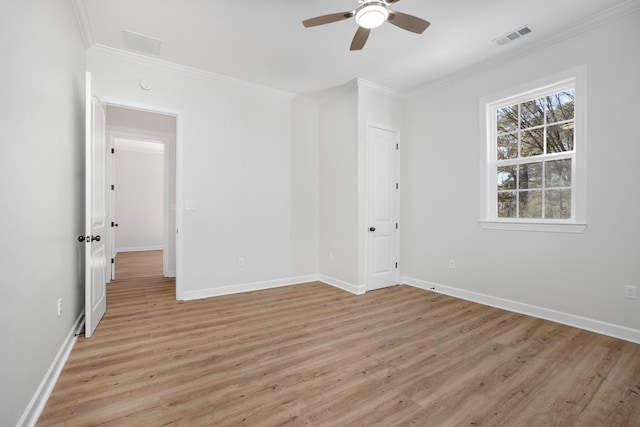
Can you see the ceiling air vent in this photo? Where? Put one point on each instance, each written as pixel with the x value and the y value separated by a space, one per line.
pixel 514 35
pixel 140 43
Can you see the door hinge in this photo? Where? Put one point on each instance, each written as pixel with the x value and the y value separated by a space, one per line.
pixel 396 225
pixel 113 150
pixel 396 185
pixel 113 261
pixel 113 187
pixel 396 265
pixel 397 146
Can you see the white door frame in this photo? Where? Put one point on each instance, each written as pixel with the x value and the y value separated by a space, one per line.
pixel 179 174
pixel 364 232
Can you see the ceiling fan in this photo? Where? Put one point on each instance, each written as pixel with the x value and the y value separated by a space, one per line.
pixel 371 14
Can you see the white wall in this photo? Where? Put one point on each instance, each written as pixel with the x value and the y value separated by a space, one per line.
pixel 581 275
pixel 338 177
pixel 41 169
pixel 238 144
pixel 139 199
pixel 303 187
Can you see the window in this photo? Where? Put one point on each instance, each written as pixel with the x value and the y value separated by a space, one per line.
pixel 534 167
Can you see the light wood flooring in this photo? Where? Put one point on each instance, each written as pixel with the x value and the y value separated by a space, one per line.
pixel 131 265
pixel 314 355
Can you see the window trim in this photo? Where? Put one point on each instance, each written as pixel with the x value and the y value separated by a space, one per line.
pixel 575 77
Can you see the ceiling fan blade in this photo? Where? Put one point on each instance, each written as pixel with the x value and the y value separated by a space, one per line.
pixel 327 19
pixel 408 22
pixel 392 1
pixel 360 38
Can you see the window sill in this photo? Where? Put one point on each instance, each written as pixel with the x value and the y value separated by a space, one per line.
pixel 573 227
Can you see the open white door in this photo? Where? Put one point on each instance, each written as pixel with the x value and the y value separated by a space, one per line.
pixel 95 211
pixel 382 207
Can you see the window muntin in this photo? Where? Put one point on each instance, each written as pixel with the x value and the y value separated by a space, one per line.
pixel 533 146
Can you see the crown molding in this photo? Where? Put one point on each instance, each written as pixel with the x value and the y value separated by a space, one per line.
pixel 140 59
pixel 357 84
pixel 571 31
pixel 82 17
pixel 339 91
pixel 383 90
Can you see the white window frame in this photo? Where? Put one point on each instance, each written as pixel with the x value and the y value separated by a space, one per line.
pixel 577 223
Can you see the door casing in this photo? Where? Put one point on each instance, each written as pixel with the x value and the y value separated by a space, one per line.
pixel 177 158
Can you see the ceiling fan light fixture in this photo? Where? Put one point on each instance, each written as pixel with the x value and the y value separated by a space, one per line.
pixel 371 14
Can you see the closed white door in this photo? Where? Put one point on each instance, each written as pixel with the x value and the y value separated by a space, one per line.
pixel 95 211
pixel 382 207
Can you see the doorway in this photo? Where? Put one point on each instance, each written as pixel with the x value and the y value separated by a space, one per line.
pixel 143 191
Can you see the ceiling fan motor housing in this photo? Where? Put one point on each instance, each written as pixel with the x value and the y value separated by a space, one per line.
pixel 371 14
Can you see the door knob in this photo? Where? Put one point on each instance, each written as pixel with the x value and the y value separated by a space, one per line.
pixel 372 229
pixel 96 238
pixel 81 238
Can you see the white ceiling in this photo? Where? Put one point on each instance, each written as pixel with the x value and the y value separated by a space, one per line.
pixel 124 144
pixel 140 120
pixel 264 42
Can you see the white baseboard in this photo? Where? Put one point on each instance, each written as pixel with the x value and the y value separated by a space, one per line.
pixel 609 329
pixel 39 400
pixel 140 248
pixel 247 287
pixel 354 289
pixel 268 284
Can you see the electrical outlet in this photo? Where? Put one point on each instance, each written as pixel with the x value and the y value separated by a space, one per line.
pixel 59 306
pixel 630 292
pixel 452 264
pixel 240 262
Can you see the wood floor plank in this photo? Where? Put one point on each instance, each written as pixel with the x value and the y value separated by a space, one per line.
pixel 313 355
